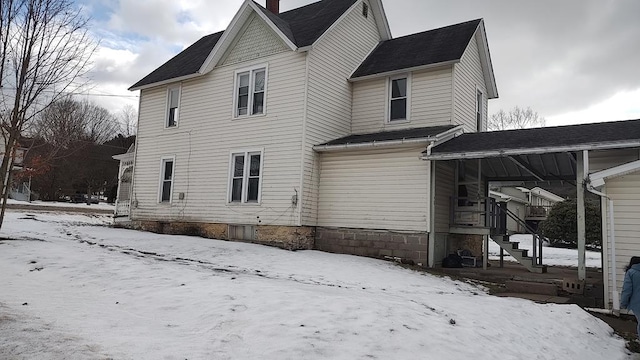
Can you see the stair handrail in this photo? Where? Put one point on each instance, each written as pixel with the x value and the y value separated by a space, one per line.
pixel 537 238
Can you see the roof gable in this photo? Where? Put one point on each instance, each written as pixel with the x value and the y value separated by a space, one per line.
pixel 438 46
pixel 298 28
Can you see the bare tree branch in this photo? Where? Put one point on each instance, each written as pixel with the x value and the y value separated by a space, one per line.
pixel 516 118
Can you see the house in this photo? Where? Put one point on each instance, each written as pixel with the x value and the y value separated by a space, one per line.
pixel 315 128
pixel 304 129
pixel 531 205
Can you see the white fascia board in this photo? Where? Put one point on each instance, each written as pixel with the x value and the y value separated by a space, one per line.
pixel 165 82
pixel 485 60
pixel 381 19
pixel 540 192
pixel 403 71
pixel 539 150
pixel 443 136
pixel 598 179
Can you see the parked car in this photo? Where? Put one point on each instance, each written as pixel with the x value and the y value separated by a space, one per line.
pixel 82 198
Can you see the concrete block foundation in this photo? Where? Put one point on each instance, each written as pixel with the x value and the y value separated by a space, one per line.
pixel 408 247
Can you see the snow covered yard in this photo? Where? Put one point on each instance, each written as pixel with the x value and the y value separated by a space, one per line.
pixel 71 289
pixel 550 256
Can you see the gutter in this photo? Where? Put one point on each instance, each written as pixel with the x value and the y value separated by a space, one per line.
pixel 541 150
pixel 376 144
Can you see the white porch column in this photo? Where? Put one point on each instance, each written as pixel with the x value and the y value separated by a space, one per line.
pixel 580 168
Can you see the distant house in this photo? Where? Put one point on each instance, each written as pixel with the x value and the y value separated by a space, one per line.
pixel 19 187
pixel 530 205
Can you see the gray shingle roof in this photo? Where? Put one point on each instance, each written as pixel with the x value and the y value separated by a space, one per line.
pixel 406 134
pixel 425 48
pixel 548 137
pixel 303 26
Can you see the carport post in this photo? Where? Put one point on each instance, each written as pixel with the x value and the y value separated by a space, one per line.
pixel 580 176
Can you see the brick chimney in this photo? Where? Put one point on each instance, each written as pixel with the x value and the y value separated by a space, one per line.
pixel 273 6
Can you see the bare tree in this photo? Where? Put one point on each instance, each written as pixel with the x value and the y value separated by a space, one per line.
pixel 68 121
pixel 128 118
pixel 44 51
pixel 516 118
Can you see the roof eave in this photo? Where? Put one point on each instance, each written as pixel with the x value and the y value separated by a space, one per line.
pixel 379 13
pixel 405 70
pixel 537 150
pixel 598 179
pixel 443 136
pixel 164 82
pixel 485 60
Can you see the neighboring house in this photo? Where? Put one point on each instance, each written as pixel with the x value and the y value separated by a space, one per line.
pixel 19 187
pixel 304 129
pixel 529 205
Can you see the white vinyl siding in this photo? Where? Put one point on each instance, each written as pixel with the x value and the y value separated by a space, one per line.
pixel 381 189
pixel 625 193
pixel 257 40
pixel 468 80
pixel 445 189
pixel 329 101
pixel 430 102
pixel 208 134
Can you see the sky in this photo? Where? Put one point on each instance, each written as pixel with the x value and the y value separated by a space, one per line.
pixel 572 61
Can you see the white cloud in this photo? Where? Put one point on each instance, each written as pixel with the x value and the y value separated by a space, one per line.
pixel 622 106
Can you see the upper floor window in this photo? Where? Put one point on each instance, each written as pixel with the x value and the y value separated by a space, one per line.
pixel 173 106
pixel 250 91
pixel 246 177
pixel 166 180
pixel 399 98
pixel 479 110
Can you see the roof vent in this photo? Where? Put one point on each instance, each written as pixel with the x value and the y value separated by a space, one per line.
pixel 273 6
pixel 365 10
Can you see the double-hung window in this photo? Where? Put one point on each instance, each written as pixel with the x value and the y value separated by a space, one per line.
pixel 398 98
pixel 166 180
pixel 173 106
pixel 246 177
pixel 251 87
pixel 479 110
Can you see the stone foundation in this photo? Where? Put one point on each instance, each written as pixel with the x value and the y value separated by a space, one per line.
pixel 468 242
pixel 285 237
pixel 408 247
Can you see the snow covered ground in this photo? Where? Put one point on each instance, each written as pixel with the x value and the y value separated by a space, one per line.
pixel 550 256
pixel 100 206
pixel 73 289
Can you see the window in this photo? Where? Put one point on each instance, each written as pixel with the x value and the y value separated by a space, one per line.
pixel 398 98
pixel 166 180
pixel 246 175
pixel 479 109
pixel 250 92
pixel 173 105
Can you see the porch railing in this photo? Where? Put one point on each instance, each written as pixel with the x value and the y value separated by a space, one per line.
pixel 488 213
pixel 122 208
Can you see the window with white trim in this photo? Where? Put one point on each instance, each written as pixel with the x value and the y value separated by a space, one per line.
pixel 173 106
pixel 250 91
pixel 479 110
pixel 246 177
pixel 398 99
pixel 166 180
